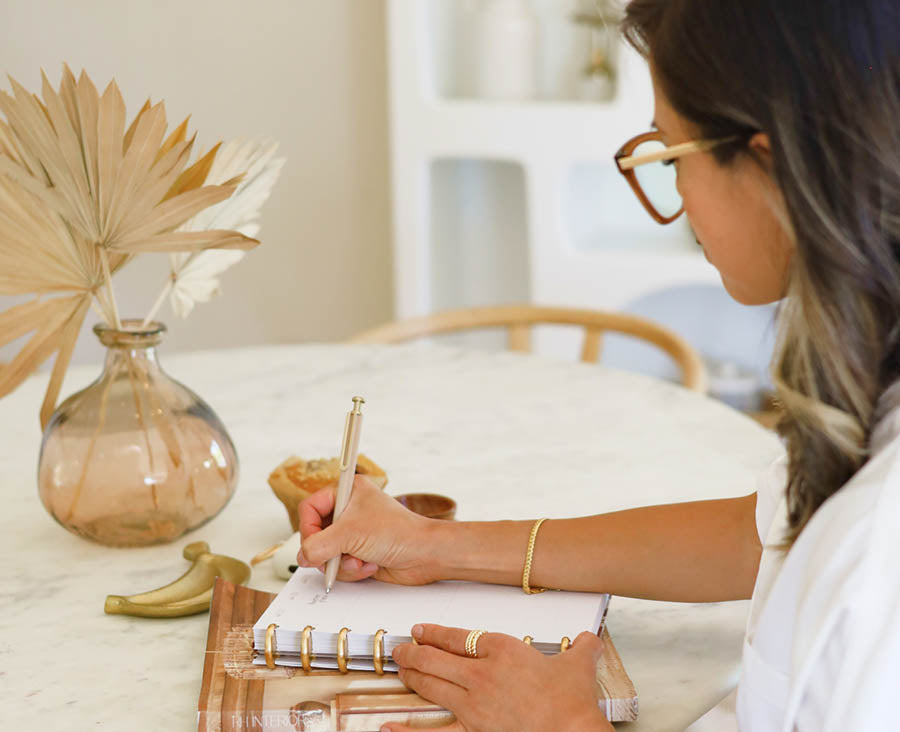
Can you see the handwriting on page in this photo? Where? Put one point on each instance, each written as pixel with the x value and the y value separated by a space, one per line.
pixel 318 598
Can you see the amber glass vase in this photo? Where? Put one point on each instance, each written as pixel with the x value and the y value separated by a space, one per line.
pixel 135 458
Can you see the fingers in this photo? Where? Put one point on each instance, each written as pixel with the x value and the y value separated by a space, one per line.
pixel 313 511
pixel 353 569
pixel 453 639
pixel 363 482
pixel 434 689
pixel 317 544
pixel 589 644
pixel 318 548
pixel 350 569
pixel 584 653
pixel 436 662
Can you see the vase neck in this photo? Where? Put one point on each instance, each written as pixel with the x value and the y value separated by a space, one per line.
pixel 131 345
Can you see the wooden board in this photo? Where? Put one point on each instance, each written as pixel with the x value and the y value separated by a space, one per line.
pixel 237 695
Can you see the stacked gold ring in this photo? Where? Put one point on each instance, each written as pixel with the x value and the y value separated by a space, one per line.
pixel 472 643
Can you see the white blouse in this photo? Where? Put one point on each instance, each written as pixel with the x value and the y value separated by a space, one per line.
pixel 822 647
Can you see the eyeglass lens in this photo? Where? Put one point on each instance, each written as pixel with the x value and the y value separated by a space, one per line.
pixel 657 180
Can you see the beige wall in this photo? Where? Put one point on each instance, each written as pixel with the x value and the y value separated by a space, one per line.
pixel 308 73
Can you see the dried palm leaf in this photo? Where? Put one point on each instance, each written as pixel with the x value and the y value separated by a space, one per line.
pixel 198 279
pixel 67 339
pixel 49 320
pixel 81 194
pixel 194 277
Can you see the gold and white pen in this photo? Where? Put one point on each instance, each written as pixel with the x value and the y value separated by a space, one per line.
pixel 349 453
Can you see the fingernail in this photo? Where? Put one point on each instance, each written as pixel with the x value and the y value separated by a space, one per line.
pixel 349 564
pixel 418 631
pixel 370 567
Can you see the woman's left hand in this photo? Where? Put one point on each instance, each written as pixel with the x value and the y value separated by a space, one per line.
pixel 510 687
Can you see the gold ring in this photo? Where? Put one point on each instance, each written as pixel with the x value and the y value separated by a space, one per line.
pixel 306 647
pixel 378 652
pixel 343 650
pixel 472 643
pixel 271 653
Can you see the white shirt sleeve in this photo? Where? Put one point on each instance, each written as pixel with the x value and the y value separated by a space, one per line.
pixel 769 490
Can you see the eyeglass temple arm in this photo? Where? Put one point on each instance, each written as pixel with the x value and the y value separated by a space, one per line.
pixel 667 153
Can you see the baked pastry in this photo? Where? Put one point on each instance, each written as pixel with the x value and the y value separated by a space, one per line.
pixel 296 479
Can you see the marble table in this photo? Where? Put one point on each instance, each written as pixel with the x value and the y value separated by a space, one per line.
pixel 507 435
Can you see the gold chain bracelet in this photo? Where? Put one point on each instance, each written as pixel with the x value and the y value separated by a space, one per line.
pixel 526 572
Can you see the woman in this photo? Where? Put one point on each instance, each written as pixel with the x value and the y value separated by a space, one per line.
pixel 792 186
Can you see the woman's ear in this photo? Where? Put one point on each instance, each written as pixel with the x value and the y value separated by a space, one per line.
pixel 761 148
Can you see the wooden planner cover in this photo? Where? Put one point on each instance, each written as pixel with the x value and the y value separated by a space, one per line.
pixel 236 695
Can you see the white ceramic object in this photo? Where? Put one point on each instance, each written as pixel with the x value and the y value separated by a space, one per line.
pixel 286 557
pixel 506 51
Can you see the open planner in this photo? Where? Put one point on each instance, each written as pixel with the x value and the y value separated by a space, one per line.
pixel 366 607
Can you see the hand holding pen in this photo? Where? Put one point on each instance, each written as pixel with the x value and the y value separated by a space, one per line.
pixel 349 454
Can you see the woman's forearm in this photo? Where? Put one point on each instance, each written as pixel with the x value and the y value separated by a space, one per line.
pixel 701 551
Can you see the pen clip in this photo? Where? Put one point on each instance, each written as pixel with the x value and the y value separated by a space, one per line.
pixel 352 418
pixel 345 444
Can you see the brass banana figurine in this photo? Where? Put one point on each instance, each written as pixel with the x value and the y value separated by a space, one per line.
pixel 189 594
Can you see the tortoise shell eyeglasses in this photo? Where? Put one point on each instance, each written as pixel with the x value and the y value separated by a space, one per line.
pixel 647 164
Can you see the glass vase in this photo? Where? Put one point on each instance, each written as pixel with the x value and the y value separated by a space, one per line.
pixel 135 458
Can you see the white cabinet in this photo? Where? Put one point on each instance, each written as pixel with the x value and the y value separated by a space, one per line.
pixel 519 201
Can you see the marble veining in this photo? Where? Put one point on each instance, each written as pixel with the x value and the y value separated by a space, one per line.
pixel 506 435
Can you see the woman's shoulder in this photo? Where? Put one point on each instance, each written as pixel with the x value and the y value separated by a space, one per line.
pixel 845 556
pixel 846 645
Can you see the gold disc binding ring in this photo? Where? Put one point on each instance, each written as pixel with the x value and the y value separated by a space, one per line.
pixel 378 652
pixel 472 643
pixel 306 648
pixel 343 653
pixel 565 644
pixel 271 653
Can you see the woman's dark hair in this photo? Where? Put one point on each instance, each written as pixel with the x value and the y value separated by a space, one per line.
pixel 822 80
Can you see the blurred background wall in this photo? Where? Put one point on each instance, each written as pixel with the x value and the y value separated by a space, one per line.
pixel 440 153
pixel 306 73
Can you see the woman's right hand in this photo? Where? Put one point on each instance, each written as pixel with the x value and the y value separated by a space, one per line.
pixel 383 539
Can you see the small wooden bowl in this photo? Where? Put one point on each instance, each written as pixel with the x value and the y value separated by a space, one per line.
pixel 430 505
